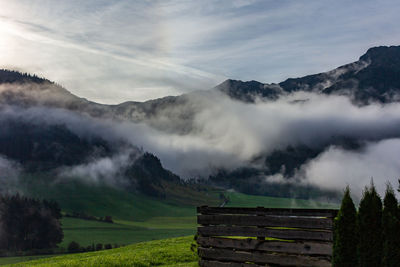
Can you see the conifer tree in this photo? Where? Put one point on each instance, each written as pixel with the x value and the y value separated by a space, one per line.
pixel 370 228
pixel 345 234
pixel 391 229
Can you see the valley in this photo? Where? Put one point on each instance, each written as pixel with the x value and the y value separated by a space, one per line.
pixel 128 174
pixel 141 219
pixel 207 133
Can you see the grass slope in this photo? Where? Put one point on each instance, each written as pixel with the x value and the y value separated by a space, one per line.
pixel 157 227
pixel 137 217
pixel 101 200
pixel 243 200
pixel 154 220
pixel 167 252
pixel 123 232
pixel 12 260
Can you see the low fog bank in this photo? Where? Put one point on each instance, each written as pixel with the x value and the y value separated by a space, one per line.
pixel 108 153
pixel 9 175
pixel 228 134
pixel 102 170
pixel 210 131
pixel 335 167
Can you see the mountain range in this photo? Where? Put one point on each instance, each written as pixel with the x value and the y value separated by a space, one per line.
pixel 45 128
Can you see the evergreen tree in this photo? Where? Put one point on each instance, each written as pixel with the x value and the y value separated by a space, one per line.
pixel 345 234
pixel 391 229
pixel 370 228
pixel 28 223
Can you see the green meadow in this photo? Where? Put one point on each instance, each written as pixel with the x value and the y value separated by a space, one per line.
pixel 166 252
pixel 153 232
pixel 243 200
pixel 87 233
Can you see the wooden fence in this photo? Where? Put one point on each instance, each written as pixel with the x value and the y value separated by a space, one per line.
pixel 252 237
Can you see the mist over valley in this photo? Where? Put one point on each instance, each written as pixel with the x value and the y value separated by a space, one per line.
pixel 306 136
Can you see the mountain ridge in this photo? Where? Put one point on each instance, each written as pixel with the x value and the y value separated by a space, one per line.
pixel 375 77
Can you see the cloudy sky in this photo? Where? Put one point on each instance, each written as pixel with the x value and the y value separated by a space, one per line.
pixel 113 51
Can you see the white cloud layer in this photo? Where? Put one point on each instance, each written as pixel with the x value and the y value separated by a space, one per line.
pixel 108 170
pixel 209 130
pixel 229 133
pixel 9 172
pixel 336 167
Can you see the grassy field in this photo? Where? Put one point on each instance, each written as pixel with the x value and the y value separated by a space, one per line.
pixel 87 232
pixel 137 218
pixel 243 200
pixel 101 200
pixel 125 232
pixel 157 227
pixel 12 260
pixel 167 252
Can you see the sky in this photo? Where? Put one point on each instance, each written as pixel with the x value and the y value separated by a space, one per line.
pixel 115 51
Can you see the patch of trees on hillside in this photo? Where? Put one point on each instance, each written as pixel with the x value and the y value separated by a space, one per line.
pixel 27 223
pixel 41 147
pixel 84 216
pixel 12 76
pixel 148 176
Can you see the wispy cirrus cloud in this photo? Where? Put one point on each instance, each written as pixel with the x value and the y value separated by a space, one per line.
pixel 112 51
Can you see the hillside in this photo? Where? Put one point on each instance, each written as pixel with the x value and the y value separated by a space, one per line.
pixel 143 219
pixel 374 77
pixel 237 135
pixel 102 199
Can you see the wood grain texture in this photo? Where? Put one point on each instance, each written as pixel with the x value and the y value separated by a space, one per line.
pixel 267 220
pixel 301 248
pixel 289 234
pixel 310 232
pixel 261 258
pixel 329 213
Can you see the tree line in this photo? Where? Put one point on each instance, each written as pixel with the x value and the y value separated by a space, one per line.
pixel 27 223
pixel 369 237
pixel 84 216
pixel 74 247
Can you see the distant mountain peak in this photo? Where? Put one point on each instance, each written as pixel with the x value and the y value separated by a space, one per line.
pixel 248 91
pixel 374 77
pixel 383 56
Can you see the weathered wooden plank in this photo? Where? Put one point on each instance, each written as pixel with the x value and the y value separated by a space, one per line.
pixel 330 213
pixel 289 234
pixel 267 220
pixel 301 248
pixel 207 263
pixel 262 257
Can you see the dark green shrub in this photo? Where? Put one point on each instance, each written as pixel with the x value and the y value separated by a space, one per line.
pixel 108 219
pixel 370 228
pixel 73 247
pixel 345 234
pixel 391 230
pixel 99 246
pixel 107 246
